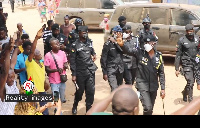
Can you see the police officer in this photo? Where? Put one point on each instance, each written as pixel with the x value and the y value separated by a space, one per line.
pixel 187 49
pixel 112 61
pixel 74 34
pixel 146 31
pixel 83 68
pixel 61 37
pixel 130 64
pixel 150 67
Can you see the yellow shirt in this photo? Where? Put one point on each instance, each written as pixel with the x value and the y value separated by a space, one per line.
pixel 21 49
pixel 37 74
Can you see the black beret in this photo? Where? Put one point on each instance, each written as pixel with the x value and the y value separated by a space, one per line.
pixel 83 28
pixel 126 27
pixel 150 38
pixel 55 27
pixel 121 18
pixel 189 27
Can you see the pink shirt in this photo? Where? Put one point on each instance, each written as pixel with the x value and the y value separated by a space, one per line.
pixel 61 58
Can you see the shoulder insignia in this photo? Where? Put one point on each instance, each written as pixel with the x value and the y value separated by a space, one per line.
pixel 107 43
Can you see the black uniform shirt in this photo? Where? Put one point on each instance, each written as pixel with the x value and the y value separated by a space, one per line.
pixel 111 58
pixel 143 34
pixel 81 62
pixel 73 36
pixel 149 70
pixel 186 52
pixel 130 61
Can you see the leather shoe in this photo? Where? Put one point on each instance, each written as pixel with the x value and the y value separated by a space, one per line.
pixel 74 111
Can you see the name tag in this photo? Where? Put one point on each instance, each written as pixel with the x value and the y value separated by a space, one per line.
pixel 80 49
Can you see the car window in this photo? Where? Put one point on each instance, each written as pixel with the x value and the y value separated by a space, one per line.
pixel 157 15
pixel 107 4
pixel 133 14
pixel 91 4
pixel 181 18
pixel 73 3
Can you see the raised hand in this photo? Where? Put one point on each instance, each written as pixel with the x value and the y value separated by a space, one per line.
pixel 40 33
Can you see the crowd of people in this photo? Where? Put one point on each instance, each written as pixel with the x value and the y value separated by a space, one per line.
pixel 126 60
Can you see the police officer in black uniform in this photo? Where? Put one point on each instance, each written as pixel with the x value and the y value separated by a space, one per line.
pixel 74 34
pixel 150 68
pixel 83 68
pixel 187 49
pixel 112 61
pixel 146 31
pixel 61 37
pixel 130 62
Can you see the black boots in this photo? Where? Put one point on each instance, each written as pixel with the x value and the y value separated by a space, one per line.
pixel 187 94
pixel 190 95
pixel 184 93
pixel 74 109
pixel 88 107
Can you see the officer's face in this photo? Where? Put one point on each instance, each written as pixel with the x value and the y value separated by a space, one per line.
pixel 83 34
pixel 152 43
pixel 147 25
pixel 56 33
pixel 190 34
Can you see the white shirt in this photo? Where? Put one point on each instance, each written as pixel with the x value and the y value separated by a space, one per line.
pixel 7 108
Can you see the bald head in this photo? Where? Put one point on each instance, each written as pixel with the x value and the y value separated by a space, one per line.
pixel 19 24
pixel 125 102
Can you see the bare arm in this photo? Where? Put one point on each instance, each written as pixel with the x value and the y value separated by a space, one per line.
pixel 49 70
pixel 14 55
pixel 34 44
pixel 5 69
pixel 189 109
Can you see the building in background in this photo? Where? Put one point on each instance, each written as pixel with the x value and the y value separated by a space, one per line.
pixel 194 2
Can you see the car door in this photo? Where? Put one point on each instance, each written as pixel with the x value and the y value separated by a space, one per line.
pixel 160 24
pixel 89 13
pixel 133 18
pixel 179 19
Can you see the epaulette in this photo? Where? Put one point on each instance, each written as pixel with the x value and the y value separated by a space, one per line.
pixel 182 38
pixel 160 53
pixel 107 43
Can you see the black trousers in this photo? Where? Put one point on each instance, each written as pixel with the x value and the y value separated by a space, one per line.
pixel 23 2
pixel 0 4
pixel 12 3
pixel 147 99
pixel 129 76
pixel 115 79
pixel 189 77
pixel 87 84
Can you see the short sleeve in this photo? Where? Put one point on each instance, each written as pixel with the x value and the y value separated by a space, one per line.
pixel 64 57
pixel 17 64
pixel 47 61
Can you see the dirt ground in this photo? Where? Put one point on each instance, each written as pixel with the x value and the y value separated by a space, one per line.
pixel 31 21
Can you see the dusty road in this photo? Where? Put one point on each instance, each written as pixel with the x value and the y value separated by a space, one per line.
pixel 30 19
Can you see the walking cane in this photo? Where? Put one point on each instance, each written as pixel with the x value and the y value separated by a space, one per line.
pixel 163 103
pixel 76 85
pixel 163 106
